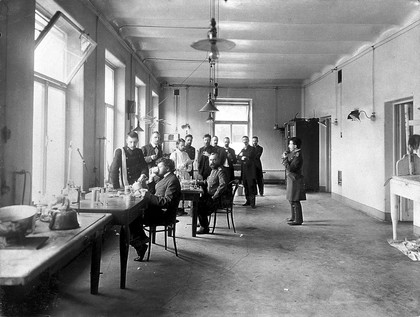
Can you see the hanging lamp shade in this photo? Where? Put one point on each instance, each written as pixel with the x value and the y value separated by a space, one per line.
pixel 209 106
pixel 138 128
pixel 213 44
pixel 354 115
pixel 210 118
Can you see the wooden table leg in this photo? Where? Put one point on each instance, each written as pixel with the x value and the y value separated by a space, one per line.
pixel 124 245
pixel 95 265
pixel 194 217
pixel 394 215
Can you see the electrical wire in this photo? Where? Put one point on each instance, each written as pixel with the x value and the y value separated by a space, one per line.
pixel 204 60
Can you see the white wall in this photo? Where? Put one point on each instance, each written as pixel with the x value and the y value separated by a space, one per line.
pixel 358 148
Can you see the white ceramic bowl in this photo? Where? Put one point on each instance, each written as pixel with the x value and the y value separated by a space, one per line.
pixel 17 220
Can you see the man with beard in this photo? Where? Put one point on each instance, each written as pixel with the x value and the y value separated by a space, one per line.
pixel 203 157
pixel 190 151
pixel 161 206
pixel 214 186
pixel 219 150
pixel 247 159
pixel 230 159
pixel 152 152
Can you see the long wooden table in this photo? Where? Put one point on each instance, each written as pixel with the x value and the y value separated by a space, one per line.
pixel 408 187
pixel 193 195
pixel 20 266
pixel 123 211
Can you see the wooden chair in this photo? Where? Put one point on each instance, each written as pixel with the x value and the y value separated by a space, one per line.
pixel 226 205
pixel 169 228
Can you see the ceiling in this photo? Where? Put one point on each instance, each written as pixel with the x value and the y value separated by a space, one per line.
pixel 278 42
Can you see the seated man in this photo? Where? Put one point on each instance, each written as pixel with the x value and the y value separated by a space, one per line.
pixel 161 207
pixel 214 186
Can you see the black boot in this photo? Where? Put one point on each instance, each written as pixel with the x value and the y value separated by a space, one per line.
pixel 298 214
pixel 292 218
pixel 252 198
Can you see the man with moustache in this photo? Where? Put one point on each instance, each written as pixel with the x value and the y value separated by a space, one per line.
pixel 190 151
pixel 214 186
pixel 230 160
pixel 203 157
pixel 128 165
pixel 152 152
pixel 247 159
pixel 161 206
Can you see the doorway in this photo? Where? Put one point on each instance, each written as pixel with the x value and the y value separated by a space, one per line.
pixel 325 154
pixel 403 113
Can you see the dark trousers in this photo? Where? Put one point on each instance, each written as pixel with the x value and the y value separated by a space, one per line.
pixel 250 186
pixel 297 215
pixel 206 206
pixel 152 215
pixel 260 181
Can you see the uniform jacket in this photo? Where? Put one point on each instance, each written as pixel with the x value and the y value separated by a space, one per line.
pixel 216 183
pixel 136 165
pixel 148 151
pixel 295 188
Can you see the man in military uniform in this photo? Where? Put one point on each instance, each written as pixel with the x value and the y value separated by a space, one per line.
pixel 130 161
pixel 214 186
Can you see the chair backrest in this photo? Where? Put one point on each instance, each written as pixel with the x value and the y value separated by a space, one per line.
pixel 227 198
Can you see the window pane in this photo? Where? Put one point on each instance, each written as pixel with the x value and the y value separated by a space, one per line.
pixel 231 113
pixel 109 143
pixel 62 49
pixel 56 148
pixel 238 131
pixel 222 131
pixel 50 55
pixel 38 140
pixel 109 85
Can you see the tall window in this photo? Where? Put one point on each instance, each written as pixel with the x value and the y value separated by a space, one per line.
pixel 140 98
pixel 60 50
pixel 232 120
pixel 49 146
pixel 109 117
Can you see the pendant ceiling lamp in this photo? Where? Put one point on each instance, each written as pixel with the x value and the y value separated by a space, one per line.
pixel 212 43
pixel 138 128
pixel 209 106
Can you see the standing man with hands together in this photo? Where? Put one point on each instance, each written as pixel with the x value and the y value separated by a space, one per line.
pixel 295 186
pixel 203 157
pixel 247 159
